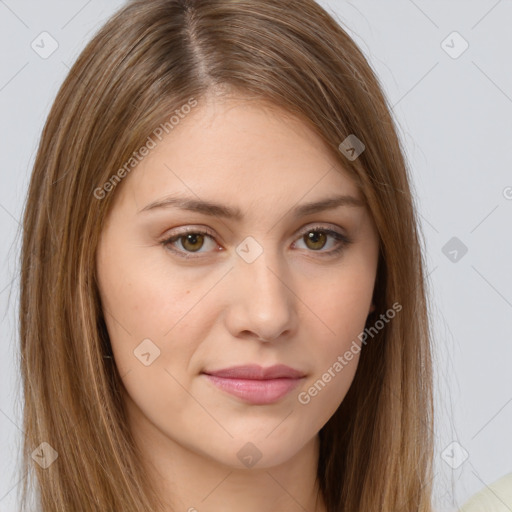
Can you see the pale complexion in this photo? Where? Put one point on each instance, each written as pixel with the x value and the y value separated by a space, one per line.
pixel 298 303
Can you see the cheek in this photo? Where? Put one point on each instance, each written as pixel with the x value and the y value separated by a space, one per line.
pixel 153 326
pixel 335 361
pixel 343 301
pixel 335 354
pixel 143 301
pixel 343 306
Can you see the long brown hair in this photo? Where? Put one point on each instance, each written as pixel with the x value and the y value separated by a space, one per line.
pixel 149 59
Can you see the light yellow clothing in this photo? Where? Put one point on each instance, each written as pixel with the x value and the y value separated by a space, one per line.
pixel 495 498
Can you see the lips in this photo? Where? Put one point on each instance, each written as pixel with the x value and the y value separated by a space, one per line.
pixel 254 384
pixel 255 372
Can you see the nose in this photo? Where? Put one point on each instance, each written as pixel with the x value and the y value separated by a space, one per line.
pixel 262 305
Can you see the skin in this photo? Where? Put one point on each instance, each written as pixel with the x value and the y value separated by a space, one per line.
pixel 291 305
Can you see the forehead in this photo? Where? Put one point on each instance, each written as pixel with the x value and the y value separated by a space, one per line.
pixel 246 151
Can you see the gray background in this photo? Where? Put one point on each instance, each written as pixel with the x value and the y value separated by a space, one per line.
pixel 454 114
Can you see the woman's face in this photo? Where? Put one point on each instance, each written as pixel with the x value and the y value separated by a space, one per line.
pixel 251 284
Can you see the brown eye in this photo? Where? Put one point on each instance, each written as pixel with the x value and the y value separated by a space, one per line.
pixel 192 241
pixel 315 240
pixel 189 242
pixel 324 241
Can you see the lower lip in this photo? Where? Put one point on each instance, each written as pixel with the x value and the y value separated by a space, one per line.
pixel 256 392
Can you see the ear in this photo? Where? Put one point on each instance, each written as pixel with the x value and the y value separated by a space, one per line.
pixel 372 308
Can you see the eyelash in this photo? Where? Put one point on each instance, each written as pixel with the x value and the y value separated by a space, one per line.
pixel 343 240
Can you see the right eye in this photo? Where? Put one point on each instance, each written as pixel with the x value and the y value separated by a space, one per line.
pixel 190 240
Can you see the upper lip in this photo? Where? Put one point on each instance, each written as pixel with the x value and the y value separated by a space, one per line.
pixel 256 372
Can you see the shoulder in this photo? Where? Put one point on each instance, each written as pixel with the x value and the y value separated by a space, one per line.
pixel 497 497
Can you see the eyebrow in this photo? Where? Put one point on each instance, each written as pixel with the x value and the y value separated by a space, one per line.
pixel 219 210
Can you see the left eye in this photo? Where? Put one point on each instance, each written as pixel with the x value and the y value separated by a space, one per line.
pixel 315 239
